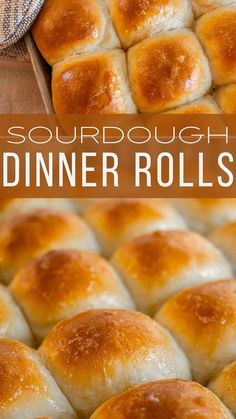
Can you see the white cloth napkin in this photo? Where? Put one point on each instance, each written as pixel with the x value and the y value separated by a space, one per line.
pixel 16 17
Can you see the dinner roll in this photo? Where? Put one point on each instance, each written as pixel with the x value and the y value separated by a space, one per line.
pixel 224 386
pixel 168 70
pixel 27 388
pixel 156 266
pixel 12 322
pixel 136 20
pixel 97 354
pixel 225 238
pixel 165 399
pixel 92 84
pixel 201 7
pixel 217 32
pixel 62 283
pixel 80 205
pixel 205 105
pixel 116 221
pixel 203 321
pixel 66 27
pixel 9 207
pixel 204 214
pixel 226 98
pixel 27 236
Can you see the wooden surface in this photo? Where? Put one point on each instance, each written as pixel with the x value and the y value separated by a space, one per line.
pixel 18 89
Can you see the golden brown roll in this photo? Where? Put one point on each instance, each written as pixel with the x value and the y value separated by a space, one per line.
pixel 156 266
pixel 205 105
pixel 225 238
pixel 27 236
pixel 66 27
pixel 168 70
pixel 217 32
pixel 204 214
pixel 203 321
pixel 116 221
pixel 97 354
pixel 80 205
pixel 136 20
pixel 62 283
pixel 12 323
pixel 9 207
pixel 92 84
pixel 224 386
pixel 27 388
pixel 201 7
pixel 165 399
pixel 226 98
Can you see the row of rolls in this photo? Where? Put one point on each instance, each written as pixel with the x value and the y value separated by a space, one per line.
pixel 140 56
pixel 122 308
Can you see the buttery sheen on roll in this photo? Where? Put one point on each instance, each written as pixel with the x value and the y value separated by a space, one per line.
pixel 156 266
pixel 205 105
pixel 97 354
pixel 165 399
pixel 67 27
pixel 136 20
pixel 226 98
pixel 95 83
pixel 27 236
pixel 27 388
pixel 203 321
pixel 62 283
pixel 12 323
pixel 224 386
pixel 118 220
pixel 168 70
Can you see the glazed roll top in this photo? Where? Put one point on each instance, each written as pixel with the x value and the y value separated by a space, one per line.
pixel 9 207
pixel 224 386
pixel 66 27
pixel 165 399
pixel 116 221
pixel 97 354
pixel 217 32
pixel 65 282
pixel 135 20
pixel 27 236
pixel 202 7
pixel 204 214
pixel 12 323
pixel 156 266
pixel 27 387
pixel 201 106
pixel 226 98
pixel 168 70
pixel 93 83
pixel 225 238
pixel 203 321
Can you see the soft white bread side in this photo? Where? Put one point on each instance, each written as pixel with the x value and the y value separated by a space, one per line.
pixel 225 238
pixel 12 322
pixel 27 236
pixel 27 388
pixel 203 321
pixel 116 221
pixel 62 283
pixel 156 266
pixel 165 399
pixel 97 354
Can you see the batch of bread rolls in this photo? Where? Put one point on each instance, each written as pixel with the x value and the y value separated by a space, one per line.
pixel 117 308
pixel 147 56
